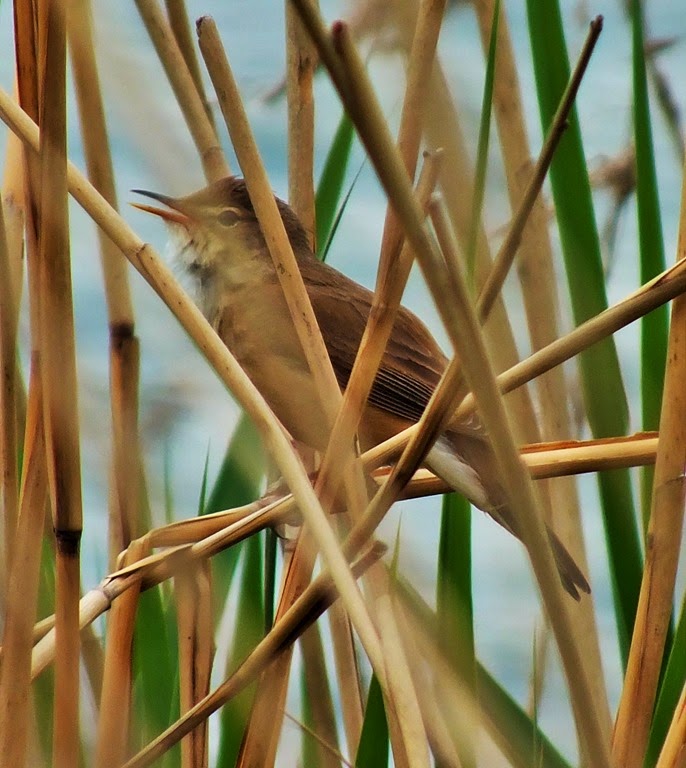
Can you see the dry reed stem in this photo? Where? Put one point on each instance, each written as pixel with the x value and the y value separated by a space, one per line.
pixel 112 742
pixel 268 216
pixel 319 696
pixel 375 337
pixel 97 152
pixel 194 623
pixel 305 610
pixel 591 456
pixel 443 131
pixel 520 492
pixel 124 349
pixel 663 288
pixel 301 313
pixel 673 754
pixel 539 291
pixel 181 29
pixel 325 745
pixel 663 543
pixel 125 520
pixel 460 715
pixel 404 714
pixel 13 199
pixel 58 375
pixel 261 735
pixel 301 62
pixel 503 261
pixel 21 599
pixel 160 278
pixel 519 489
pixel 305 324
pixel 438 733
pixel 189 99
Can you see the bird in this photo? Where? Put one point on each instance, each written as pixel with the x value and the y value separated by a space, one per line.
pixel 221 247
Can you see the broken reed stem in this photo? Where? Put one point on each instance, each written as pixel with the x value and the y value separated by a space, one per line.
pixel 181 28
pixel 301 61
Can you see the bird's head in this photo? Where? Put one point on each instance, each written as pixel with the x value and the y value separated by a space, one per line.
pixel 216 228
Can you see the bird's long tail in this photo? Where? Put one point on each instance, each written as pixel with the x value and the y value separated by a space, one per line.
pixel 471 472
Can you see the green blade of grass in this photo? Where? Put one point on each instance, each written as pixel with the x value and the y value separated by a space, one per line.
pixel 454 596
pixel 484 139
pixel 238 482
pixel 603 389
pixel 155 670
pixel 373 749
pixel 330 184
pixel 249 623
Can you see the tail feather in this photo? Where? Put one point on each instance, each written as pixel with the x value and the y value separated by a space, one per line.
pixel 472 475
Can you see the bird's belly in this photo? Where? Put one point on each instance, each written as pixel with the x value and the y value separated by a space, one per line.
pixel 260 334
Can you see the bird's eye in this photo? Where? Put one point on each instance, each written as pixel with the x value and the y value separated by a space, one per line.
pixel 228 217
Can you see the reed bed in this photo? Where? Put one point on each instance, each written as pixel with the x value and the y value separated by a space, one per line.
pixel 382 671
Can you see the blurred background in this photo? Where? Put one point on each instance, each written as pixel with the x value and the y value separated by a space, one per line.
pixel 186 414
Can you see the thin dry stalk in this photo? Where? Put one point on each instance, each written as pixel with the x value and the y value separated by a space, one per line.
pixel 270 696
pixel 563 458
pixel 97 152
pixel 406 725
pixel 443 131
pixel 663 543
pixel 195 655
pixel 125 520
pixel 663 288
pixel 181 28
pixel 301 62
pixel 21 600
pixel 297 300
pixel 58 361
pixel 124 348
pixel 261 738
pixel 459 713
pixel 480 378
pixel 672 754
pixel 503 262
pixel 268 216
pixel 189 99
pixel 112 743
pixel 539 290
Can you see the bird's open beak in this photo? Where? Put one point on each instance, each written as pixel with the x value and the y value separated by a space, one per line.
pixel 171 214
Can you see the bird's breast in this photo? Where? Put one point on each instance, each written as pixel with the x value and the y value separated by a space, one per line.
pixel 257 327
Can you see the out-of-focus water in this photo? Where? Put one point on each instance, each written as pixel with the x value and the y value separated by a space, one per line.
pixel 185 411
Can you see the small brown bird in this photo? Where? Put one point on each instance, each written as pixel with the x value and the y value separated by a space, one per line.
pixel 221 246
